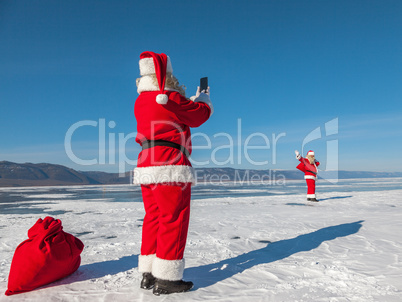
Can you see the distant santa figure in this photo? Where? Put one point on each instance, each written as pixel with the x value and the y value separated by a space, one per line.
pixel 309 165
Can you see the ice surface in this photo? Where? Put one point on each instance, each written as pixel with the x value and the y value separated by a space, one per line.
pixel 245 243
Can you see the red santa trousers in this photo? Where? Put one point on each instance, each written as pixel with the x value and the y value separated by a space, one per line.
pixel 164 230
pixel 310 188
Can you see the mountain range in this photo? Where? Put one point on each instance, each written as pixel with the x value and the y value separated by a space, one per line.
pixel 45 174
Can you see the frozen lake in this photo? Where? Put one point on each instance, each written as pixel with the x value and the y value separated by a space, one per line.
pixel 28 200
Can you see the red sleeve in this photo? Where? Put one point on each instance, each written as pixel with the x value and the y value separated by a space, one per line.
pixel 192 114
pixel 303 160
pixel 317 163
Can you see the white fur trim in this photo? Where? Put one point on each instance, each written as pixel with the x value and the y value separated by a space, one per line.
pixel 310 153
pixel 162 99
pixel 310 195
pixel 310 177
pixel 163 174
pixel 145 263
pixel 147 83
pixel 204 98
pixel 171 270
pixel 147 66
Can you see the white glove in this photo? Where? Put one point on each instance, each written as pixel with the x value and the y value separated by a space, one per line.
pixel 204 91
pixel 298 156
pixel 198 93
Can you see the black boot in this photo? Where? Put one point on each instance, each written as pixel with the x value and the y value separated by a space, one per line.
pixel 312 199
pixel 148 281
pixel 165 287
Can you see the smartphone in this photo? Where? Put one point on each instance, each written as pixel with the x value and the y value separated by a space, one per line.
pixel 204 84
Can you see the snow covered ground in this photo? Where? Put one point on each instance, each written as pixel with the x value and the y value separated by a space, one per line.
pixel 245 243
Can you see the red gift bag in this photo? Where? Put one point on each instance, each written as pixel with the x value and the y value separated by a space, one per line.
pixel 48 255
pixel 301 167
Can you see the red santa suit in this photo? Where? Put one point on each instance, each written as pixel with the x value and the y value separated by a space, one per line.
pixel 164 171
pixel 310 173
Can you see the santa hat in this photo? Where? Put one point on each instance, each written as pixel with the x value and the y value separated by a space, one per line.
pixel 310 153
pixel 158 64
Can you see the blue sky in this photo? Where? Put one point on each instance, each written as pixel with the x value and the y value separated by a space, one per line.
pixel 276 69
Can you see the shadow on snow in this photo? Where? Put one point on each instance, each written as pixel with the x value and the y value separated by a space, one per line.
pixel 99 269
pixel 309 203
pixel 336 197
pixel 207 275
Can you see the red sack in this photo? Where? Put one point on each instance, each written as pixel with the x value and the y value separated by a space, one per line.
pixel 301 167
pixel 48 255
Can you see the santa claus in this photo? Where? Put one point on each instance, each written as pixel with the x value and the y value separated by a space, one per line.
pixel 309 166
pixel 164 116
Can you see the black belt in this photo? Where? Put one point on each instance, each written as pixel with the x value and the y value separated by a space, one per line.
pixel 315 173
pixel 159 142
